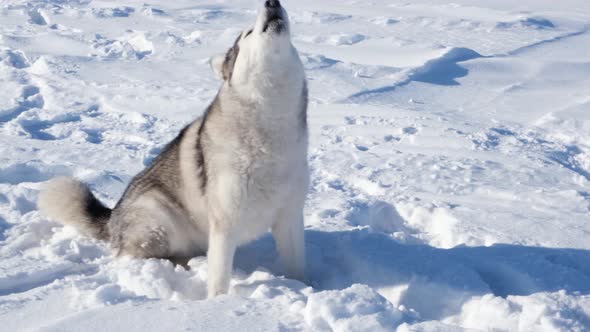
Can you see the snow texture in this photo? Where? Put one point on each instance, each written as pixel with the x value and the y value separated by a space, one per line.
pixel 449 149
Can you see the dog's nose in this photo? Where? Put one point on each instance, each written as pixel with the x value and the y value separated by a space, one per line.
pixel 272 4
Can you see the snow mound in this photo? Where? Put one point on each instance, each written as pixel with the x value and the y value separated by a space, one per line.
pixel 384 21
pixel 151 11
pixel 527 22
pixel 346 39
pixel 113 12
pixel 319 17
pixel 158 279
pixel 540 312
pixel 131 46
pixel 357 308
pixel 16 59
pixel 38 16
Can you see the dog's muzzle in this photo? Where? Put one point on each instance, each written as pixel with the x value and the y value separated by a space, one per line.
pixel 275 22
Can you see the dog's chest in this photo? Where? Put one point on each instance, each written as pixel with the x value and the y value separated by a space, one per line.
pixel 269 154
pixel 263 147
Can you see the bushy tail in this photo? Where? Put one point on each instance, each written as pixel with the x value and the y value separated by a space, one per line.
pixel 70 202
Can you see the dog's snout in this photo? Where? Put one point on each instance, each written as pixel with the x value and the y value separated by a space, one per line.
pixel 274 17
pixel 272 4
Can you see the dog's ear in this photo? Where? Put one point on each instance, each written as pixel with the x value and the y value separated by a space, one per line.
pixel 216 63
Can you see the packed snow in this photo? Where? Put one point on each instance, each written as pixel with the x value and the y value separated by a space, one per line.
pixel 449 149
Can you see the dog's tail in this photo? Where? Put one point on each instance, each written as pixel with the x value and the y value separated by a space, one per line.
pixel 70 202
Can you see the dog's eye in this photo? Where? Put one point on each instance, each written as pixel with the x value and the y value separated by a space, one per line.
pixel 248 34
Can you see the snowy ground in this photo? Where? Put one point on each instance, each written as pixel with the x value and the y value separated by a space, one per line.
pixel 450 156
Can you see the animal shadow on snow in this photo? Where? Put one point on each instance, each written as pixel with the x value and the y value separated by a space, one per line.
pixel 433 281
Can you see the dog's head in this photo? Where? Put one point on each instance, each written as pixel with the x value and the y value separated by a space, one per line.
pixel 262 51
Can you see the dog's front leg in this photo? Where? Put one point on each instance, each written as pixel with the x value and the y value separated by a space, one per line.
pixel 289 238
pixel 220 257
pixel 223 217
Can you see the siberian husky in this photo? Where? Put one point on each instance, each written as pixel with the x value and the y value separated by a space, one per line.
pixel 227 178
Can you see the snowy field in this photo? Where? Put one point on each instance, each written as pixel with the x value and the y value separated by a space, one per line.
pixel 450 157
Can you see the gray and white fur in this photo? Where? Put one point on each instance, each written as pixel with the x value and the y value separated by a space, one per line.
pixel 227 178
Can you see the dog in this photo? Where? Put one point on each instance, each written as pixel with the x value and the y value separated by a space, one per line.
pixel 227 178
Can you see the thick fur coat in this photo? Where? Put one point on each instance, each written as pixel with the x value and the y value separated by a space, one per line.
pixel 227 178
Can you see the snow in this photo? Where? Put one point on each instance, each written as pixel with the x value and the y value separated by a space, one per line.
pixel 352 309
pixel 450 157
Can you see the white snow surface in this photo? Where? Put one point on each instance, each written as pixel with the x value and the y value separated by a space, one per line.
pixel 449 149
